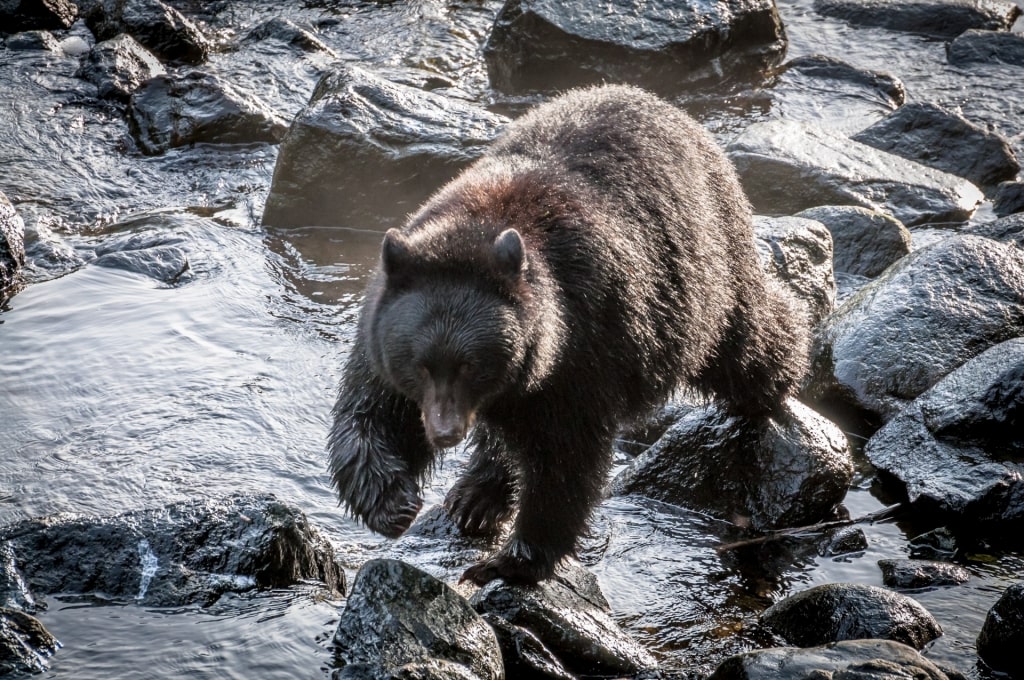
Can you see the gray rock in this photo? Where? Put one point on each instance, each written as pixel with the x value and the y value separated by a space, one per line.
pixel 905 573
pixel 787 167
pixel 118 66
pixel 168 264
pixel 935 18
pixel 923 317
pixel 1009 230
pixel 33 40
pixel 288 33
pixel 25 644
pixel 173 111
pixel 985 47
pixel 12 244
pixel 569 615
pixel 957 447
pixel 782 474
pixel 1008 199
pixel 523 654
pixel 27 15
pixel 932 136
pixel 850 611
pixel 798 253
pixel 864 242
pixel 398 615
pixel 366 152
pixel 1002 635
pixel 848 660
pixel 158 26
pixel 544 45
pixel 180 554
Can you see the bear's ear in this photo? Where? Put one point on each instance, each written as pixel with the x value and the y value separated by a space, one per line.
pixel 394 253
pixel 510 254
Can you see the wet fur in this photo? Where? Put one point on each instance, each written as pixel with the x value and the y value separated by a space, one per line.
pixel 641 277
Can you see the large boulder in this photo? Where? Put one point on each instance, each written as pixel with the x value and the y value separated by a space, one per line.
pixel 788 471
pixel 849 660
pixel 155 24
pixel 985 47
pixel 173 111
pixel 798 252
pixel 118 66
pixel 864 242
pixel 1002 635
pixel 12 243
pixel 398 616
pixel 932 136
pixel 787 167
pixel 850 611
pixel 27 15
pixel 366 152
pixel 544 45
pixel 25 644
pixel 922 318
pixel 958 447
pixel 934 18
pixel 180 554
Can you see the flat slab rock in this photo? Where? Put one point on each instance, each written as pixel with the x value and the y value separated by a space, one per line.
pixel 935 18
pixel 909 574
pixel 788 166
pixel 978 48
pixel 544 45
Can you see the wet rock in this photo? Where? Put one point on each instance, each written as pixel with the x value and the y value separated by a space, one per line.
pixel 932 136
pixel 118 66
pixel 842 541
pixel 183 553
pixel 924 316
pixel 781 474
pixel 848 660
pixel 398 615
pixel 921 573
pixel 165 263
pixel 289 33
pixel 1009 230
pixel 1002 635
pixel 938 18
pixel 172 111
pixel 1008 199
pixel 787 167
pixel 437 546
pixel 864 242
pixel 936 544
pixel 25 644
pixel 12 244
pixel 850 611
pixel 798 252
pixel 366 152
pixel 957 448
pixel 27 15
pixel 541 45
pixel 33 40
pixel 570 616
pixel 829 92
pixel 985 47
pixel 158 26
pixel 523 654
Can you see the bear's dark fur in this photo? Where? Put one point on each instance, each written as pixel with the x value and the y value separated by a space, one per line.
pixel 597 258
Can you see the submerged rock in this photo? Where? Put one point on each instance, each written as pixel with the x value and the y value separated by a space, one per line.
pixel 27 15
pixel 12 244
pixel 118 66
pixel 922 318
pixel 848 660
pixel 398 616
pixel 569 615
pixel 958 447
pixel 798 252
pixel 289 33
pixel 783 473
pixel 921 573
pixel 864 242
pixel 985 47
pixel 542 45
pixel 1002 635
pixel 935 18
pixel 788 167
pixel 1008 199
pixel 173 111
pixel 183 553
pixel 366 152
pixel 25 644
pixel 157 25
pixel 155 255
pixel 930 135
pixel 850 611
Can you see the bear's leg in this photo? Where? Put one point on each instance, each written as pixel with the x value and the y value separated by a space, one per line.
pixel 563 472
pixel 484 496
pixel 378 449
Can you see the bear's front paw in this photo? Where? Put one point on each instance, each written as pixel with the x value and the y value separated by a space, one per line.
pixel 477 511
pixel 394 511
pixel 515 564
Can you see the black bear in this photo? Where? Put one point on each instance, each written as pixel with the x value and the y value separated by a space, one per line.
pixel 597 258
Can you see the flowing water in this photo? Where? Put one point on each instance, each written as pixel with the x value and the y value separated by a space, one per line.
pixel 119 392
